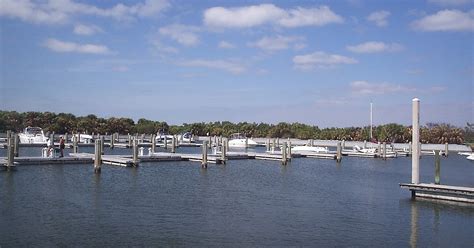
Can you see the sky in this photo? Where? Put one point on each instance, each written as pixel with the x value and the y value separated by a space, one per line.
pixel 315 62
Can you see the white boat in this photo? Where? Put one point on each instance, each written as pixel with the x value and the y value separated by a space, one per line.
pixel 160 138
pixel 239 140
pixel 186 137
pixel 365 150
pixel 471 157
pixel 315 149
pixel 83 138
pixel 33 135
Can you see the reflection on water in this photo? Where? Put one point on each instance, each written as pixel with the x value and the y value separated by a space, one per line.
pixel 414 225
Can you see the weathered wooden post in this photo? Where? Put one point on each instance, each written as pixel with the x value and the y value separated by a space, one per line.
pixel 227 144
pixel 210 141
pixel 135 152
pixel 446 151
pixel 165 141
pixel 415 158
pixel 437 167
pixel 74 144
pixel 289 150
pixel 284 158
pixel 339 152
pixel 379 149
pixel 384 150
pixel 273 144
pixel 112 141
pixel 224 151
pixel 16 141
pixel 97 156
pixel 173 144
pixel 267 145
pixel 153 142
pixel 204 155
pixel 102 139
pixel 10 150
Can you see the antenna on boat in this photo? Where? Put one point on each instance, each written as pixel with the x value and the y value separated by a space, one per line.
pixel 371 121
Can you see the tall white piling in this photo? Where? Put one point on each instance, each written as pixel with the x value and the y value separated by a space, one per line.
pixel 365 144
pixel 384 155
pixel 437 167
pixel 267 145
pixel 173 144
pixel 153 142
pixel 224 151
pixel 343 144
pixel 415 158
pixel 379 150
pixel 165 141
pixel 446 151
pixel 16 141
pixel 289 150
pixel 102 139
pixel 10 150
pixel 97 156
pixel 112 141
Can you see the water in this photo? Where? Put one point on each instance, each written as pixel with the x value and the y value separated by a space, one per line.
pixel 310 202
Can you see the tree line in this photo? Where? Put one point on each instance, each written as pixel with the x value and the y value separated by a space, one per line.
pixel 69 123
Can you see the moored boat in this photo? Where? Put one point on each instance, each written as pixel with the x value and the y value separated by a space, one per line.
pixel 33 135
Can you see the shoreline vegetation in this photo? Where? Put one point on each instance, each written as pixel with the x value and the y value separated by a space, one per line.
pixel 435 133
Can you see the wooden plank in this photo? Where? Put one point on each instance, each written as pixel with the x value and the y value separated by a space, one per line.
pixel 444 192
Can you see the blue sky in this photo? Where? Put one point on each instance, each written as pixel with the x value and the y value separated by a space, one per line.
pixel 316 62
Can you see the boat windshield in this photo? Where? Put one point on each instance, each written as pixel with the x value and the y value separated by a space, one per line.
pixel 237 136
pixel 33 130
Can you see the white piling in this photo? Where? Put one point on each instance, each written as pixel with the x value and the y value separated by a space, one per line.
pixel 415 158
pixel 446 151
pixel 153 142
pixel 204 155
pixel 224 151
pixel 74 143
pixel 339 152
pixel 284 158
pixel 97 156
pixel 135 152
pixel 384 156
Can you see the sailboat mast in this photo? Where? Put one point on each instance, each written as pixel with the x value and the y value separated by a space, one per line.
pixel 370 121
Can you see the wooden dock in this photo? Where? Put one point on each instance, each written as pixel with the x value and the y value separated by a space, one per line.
pixel 442 192
pixel 120 160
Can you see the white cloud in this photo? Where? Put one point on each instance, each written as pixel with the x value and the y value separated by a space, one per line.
pixel 81 29
pixel 162 48
pixel 226 65
pixel 63 47
pixel 375 47
pixel 58 11
pixel 277 43
pixel 321 60
pixel 446 20
pixel 379 18
pixel 184 35
pixel 366 88
pixel 255 15
pixel 449 2
pixel 226 45
pixel 310 17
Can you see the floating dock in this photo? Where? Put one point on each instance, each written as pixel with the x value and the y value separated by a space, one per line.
pixel 442 192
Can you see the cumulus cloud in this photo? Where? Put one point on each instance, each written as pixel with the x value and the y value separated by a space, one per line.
pixel 375 47
pixel 64 47
pixel 226 45
pixel 226 65
pixel 81 29
pixel 58 11
pixel 379 18
pixel 184 35
pixel 277 43
pixel 321 60
pixel 446 20
pixel 255 15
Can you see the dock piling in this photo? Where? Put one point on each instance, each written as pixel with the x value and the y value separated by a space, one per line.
pixel 437 167
pixel 102 144
pixel 284 158
pixel 153 142
pixel 384 156
pixel 74 144
pixel 97 156
pixel 10 150
pixel 343 144
pixel 112 141
pixel 129 140
pixel 135 152
pixel 204 155
pixel 16 141
pixel 415 158
pixel 339 152
pixel 446 151
pixel 224 151
pixel 365 144
pixel 289 150
pixel 173 145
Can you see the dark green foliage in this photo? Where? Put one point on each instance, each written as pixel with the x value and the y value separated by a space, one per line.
pixel 62 123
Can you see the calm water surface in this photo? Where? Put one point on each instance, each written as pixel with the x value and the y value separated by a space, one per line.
pixel 310 202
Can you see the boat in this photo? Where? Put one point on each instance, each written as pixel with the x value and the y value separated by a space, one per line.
pixel 240 140
pixel 33 135
pixel 160 138
pixel 186 137
pixel 83 138
pixel 471 157
pixel 365 150
pixel 314 149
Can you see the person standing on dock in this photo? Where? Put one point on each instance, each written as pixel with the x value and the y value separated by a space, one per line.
pixel 61 146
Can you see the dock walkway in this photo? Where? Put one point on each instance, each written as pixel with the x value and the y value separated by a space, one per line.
pixel 439 191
